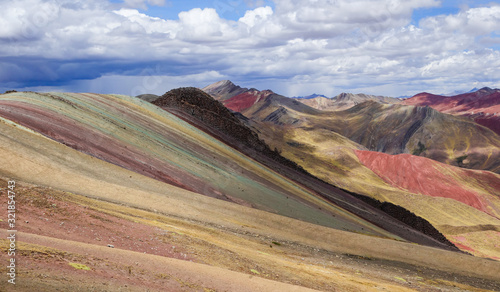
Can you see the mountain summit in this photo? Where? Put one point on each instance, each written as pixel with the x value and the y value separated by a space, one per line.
pixel 224 89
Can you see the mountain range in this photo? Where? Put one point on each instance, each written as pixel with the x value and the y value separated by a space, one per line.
pixel 236 189
pixel 481 105
pixel 412 156
pixel 346 100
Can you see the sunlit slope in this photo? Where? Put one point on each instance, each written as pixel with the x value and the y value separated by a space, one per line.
pixel 478 189
pixel 327 155
pixel 462 204
pixel 145 139
pixel 394 129
pixel 453 196
pixel 308 253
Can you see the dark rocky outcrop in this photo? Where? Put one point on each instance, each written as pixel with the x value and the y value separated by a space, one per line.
pixel 409 218
pixel 211 113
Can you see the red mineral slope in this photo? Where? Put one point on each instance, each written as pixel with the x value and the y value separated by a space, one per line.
pixel 491 121
pixel 424 176
pixel 483 106
pixel 243 101
pixel 485 100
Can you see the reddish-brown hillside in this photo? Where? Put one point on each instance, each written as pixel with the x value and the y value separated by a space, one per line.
pixel 483 106
pixel 421 175
pixel 243 101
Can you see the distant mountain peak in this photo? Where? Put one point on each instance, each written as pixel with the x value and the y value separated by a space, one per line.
pixel 483 90
pixel 487 89
pixel 224 89
pixel 223 83
pixel 220 85
pixel 344 96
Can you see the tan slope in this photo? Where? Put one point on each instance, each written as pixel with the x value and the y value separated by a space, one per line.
pixel 50 213
pixel 183 275
pixel 307 257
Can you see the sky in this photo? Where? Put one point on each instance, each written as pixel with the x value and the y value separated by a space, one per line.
pixel 384 47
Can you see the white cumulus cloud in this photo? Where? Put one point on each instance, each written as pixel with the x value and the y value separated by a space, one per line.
pixel 336 45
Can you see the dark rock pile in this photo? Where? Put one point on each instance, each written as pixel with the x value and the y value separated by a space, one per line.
pixel 198 104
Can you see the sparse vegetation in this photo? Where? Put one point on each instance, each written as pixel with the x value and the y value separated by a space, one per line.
pixel 460 160
pixel 79 266
pixel 421 148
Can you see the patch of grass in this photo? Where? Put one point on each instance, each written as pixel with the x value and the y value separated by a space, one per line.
pixel 255 271
pixel 79 266
pixel 163 276
pixel 400 279
pixel 37 251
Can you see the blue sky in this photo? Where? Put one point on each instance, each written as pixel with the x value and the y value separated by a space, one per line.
pixel 389 47
pixel 232 10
